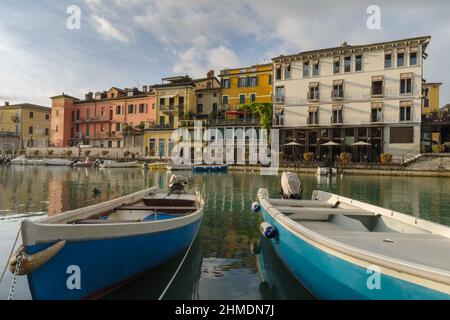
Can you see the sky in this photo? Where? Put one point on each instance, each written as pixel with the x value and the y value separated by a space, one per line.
pixel 131 43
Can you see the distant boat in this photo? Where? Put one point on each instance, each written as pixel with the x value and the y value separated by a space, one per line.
pixel 210 168
pixel 340 248
pixel 156 166
pixel 114 164
pixel 57 162
pixel 326 171
pixel 22 160
pixel 179 167
pixel 85 253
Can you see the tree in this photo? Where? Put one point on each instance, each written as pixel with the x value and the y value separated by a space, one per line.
pixel 263 109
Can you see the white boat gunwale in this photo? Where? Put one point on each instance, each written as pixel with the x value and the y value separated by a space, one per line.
pixel 55 228
pixel 435 275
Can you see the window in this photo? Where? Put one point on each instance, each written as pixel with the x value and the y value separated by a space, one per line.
pixel 73 115
pixel 316 68
pixel 377 112
pixel 252 97
pixel 117 126
pixel 88 129
pixel 243 82
pixel 287 71
pixel 306 69
pixel 47 132
pixel 57 129
pixel 47 117
pixel 57 113
pixel 77 128
pixel 337 115
pixel 388 59
pixel 141 108
pixel 30 130
pixel 214 107
pixel 225 100
pixel 162 102
pixel 401 135
pixel 377 86
pixel 31 115
pixel 118 109
pixel 278 72
pixel 338 89
pixel 405 110
pixel 405 83
pixel 270 79
pixel 162 121
pixel 279 94
pixel 400 57
pixel 313 91
pixel 242 99
pixel 78 114
pixel 426 103
pixel 348 64
pixel 413 56
pixel 181 101
pixel 226 83
pixel 337 65
pixel 130 109
pixel 358 62
pixel 254 81
pixel 313 115
pixel 172 102
pixel 199 108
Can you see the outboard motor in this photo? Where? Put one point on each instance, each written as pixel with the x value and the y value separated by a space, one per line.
pixel 177 184
pixel 291 186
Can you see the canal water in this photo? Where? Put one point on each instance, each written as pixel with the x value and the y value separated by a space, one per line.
pixel 228 260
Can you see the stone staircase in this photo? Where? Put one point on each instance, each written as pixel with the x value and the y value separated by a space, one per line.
pixel 429 162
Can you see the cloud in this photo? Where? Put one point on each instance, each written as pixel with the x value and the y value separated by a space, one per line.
pixel 108 31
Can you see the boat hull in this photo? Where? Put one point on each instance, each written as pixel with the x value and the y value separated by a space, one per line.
pixel 333 277
pixel 104 264
pixel 210 168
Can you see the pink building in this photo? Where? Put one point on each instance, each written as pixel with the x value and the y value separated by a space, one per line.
pixel 101 119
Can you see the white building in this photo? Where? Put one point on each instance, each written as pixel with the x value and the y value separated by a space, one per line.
pixel 370 93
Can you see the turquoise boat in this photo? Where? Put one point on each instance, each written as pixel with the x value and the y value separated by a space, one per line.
pixel 343 249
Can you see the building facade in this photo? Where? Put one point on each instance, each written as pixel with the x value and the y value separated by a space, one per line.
pixel 179 101
pixel 371 94
pixel 103 119
pixel 24 125
pixel 431 97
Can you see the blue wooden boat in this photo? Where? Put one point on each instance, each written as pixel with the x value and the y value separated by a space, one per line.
pixel 211 168
pixel 86 253
pixel 340 248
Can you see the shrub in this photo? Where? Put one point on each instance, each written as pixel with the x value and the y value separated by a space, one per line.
pixel 87 153
pixel 308 156
pixel 21 152
pixel 437 148
pixel 105 153
pixel 386 158
pixel 68 153
pixel 1 152
pixel 345 158
pixel 35 153
pixel 50 152
pixel 126 154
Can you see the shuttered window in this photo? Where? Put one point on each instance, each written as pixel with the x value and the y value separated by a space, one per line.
pixel 402 135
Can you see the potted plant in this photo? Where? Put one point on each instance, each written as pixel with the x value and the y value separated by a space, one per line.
pixel 308 156
pixel 50 153
pixel 126 154
pixel 386 158
pixel 35 153
pixel 68 153
pixel 105 153
pixel 87 153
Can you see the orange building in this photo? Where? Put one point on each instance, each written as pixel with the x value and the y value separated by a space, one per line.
pixel 100 120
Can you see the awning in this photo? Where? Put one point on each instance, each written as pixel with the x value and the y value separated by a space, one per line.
pixel 408 75
pixel 413 49
pixel 388 52
pixel 338 82
pixel 170 96
pixel 330 144
pixel 278 66
pixel 313 108
pixel 406 103
pixel 401 50
pixel 336 59
pixel 377 105
pixel 377 78
pixel 337 107
pixel 313 84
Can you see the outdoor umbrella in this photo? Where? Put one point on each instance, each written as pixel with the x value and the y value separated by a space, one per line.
pixel 293 144
pixel 330 144
pixel 360 143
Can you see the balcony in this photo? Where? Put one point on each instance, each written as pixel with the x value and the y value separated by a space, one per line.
pixel 280 99
pixel 169 109
pixel 15 118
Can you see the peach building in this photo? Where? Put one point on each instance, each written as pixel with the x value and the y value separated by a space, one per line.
pixel 101 119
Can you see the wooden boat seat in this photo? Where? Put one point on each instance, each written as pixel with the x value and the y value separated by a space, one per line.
pixel 328 211
pixel 156 208
pixel 301 203
pixel 100 221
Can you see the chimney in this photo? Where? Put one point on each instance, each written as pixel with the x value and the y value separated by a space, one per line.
pixel 145 88
pixel 89 96
pixel 210 74
pixel 6 103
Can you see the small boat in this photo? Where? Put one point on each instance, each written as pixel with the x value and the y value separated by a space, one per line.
pixel 114 164
pixel 179 167
pixel 155 166
pixel 326 171
pixel 210 168
pixel 341 248
pixel 57 162
pixel 88 252
pixel 83 164
pixel 22 160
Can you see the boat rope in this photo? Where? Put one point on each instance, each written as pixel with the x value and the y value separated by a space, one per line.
pixel 10 254
pixel 181 264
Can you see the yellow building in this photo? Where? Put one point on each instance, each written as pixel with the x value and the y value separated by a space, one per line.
pixel 178 101
pixel 24 125
pixel 248 84
pixel 431 101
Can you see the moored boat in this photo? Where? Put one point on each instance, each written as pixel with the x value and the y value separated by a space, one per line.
pixel 115 164
pixel 340 248
pixel 22 160
pixel 210 168
pixel 326 171
pixel 85 253
pixel 179 167
pixel 155 166
pixel 57 162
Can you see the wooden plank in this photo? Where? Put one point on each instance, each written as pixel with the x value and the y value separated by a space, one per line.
pixel 331 211
pixel 154 208
pixel 300 203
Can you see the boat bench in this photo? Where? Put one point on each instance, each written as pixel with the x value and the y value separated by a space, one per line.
pixel 155 208
pixel 289 211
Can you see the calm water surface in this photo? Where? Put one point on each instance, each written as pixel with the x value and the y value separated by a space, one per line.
pixel 228 260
